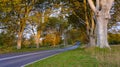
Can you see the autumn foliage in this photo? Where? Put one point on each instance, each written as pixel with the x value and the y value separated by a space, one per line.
pixel 52 39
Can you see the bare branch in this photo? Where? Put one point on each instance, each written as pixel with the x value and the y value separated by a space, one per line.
pixel 92 5
pixel 97 4
pixel 110 3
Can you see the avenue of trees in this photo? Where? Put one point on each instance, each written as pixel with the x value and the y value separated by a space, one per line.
pixel 27 23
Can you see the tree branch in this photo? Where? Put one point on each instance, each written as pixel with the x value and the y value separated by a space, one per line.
pixel 92 5
pixel 97 4
pixel 110 3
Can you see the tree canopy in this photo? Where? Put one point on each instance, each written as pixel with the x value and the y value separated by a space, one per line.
pixel 66 20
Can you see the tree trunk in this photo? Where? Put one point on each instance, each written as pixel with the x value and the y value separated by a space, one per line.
pixel 38 38
pixel 19 40
pixel 102 11
pixel 102 31
pixel 65 38
pixel 20 33
pixel 92 31
pixel 92 41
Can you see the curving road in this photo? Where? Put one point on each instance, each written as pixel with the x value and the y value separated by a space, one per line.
pixel 20 59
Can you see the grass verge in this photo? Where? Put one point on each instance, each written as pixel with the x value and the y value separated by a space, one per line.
pixel 90 57
pixel 73 58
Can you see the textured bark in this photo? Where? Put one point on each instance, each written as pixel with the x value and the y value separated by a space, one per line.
pixel 65 37
pixel 23 22
pixel 38 38
pixel 102 32
pixel 92 31
pixel 20 33
pixel 92 41
pixel 101 11
pixel 19 40
pixel 92 35
pixel 90 25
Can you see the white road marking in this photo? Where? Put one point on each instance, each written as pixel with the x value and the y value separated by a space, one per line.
pixel 39 60
pixel 47 57
pixel 24 55
pixel 7 58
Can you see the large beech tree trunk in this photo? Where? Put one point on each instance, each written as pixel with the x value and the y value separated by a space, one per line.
pixel 101 11
pixel 102 31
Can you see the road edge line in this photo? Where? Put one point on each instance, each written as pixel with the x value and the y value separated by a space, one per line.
pixel 40 59
pixel 6 58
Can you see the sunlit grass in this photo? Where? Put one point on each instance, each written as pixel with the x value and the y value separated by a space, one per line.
pixel 106 57
pixel 88 57
pixel 73 58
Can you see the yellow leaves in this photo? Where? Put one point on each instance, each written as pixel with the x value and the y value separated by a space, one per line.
pixel 46 18
pixel 77 3
pixel 34 19
pixel 16 2
pixel 7 9
pixel 17 8
pixel 4 1
pixel 8 5
pixel 52 38
pixel 56 5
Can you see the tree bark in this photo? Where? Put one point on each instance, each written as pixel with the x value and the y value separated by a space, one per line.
pixel 65 37
pixel 92 31
pixel 92 41
pixel 101 11
pixel 102 31
pixel 90 25
pixel 20 33
pixel 38 38
pixel 19 40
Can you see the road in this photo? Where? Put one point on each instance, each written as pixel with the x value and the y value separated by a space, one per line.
pixel 20 59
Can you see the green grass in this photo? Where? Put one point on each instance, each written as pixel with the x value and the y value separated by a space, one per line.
pixel 89 57
pixel 73 58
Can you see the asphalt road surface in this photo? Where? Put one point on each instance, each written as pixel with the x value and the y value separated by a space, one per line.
pixel 20 59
